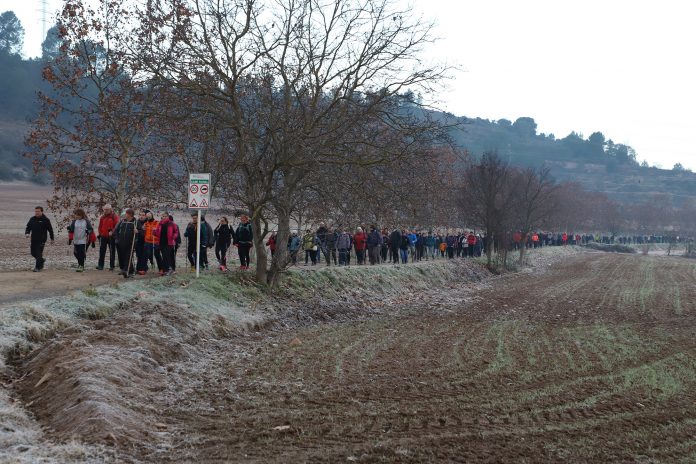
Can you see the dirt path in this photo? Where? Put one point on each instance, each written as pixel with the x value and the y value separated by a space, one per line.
pixel 593 361
pixel 26 285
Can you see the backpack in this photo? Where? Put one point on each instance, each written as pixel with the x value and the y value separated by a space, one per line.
pixel 210 235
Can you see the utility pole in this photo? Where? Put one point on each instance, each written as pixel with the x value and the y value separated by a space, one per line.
pixel 43 10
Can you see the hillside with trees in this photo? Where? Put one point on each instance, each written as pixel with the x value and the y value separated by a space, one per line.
pixel 596 162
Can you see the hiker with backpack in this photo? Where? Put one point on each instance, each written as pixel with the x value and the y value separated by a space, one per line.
pixel 244 240
pixel 125 236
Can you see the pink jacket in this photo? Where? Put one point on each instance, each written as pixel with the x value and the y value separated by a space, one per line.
pixel 172 232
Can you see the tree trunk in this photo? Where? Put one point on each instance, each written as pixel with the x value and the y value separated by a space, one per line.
pixel 280 258
pixel 261 256
pixel 523 246
pixel 489 248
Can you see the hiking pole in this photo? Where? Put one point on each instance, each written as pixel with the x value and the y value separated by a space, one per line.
pixel 130 256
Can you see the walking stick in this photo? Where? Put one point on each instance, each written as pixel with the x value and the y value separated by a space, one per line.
pixel 130 256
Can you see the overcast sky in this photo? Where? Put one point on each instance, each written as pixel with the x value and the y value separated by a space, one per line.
pixel 622 67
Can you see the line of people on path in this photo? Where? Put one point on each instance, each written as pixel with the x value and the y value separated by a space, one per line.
pixel 140 244
pixel 376 246
pixel 146 242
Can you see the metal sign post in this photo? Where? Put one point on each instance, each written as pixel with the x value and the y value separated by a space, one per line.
pixel 199 199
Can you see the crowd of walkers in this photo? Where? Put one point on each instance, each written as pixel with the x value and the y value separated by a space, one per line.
pixel 139 244
pixel 375 246
pixel 143 243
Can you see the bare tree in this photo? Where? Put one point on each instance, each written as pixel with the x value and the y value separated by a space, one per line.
pixel 487 197
pixel 93 130
pixel 303 84
pixel 533 201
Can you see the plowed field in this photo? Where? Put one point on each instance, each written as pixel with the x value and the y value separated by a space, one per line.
pixel 591 361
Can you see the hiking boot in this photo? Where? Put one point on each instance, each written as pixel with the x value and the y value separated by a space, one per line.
pixel 36 269
pixel 99 268
pixel 171 271
pixel 112 269
pixel 193 268
pixel 80 269
pixel 141 272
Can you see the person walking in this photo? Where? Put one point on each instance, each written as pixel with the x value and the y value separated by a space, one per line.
pixel 430 246
pixel 166 235
pixel 271 243
pixel 244 236
pixel 209 242
pixel 152 251
pixel 310 245
pixel 343 245
pixel 223 240
pixel 360 241
pixel 404 246
pixel 331 238
pixel 374 245
pixel 384 250
pixel 177 242
pixel 107 225
pixel 395 244
pixel 38 230
pixel 81 235
pixel 125 236
pixel 190 234
pixel 140 252
pixel 294 247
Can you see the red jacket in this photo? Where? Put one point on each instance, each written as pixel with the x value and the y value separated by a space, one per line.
pixel 172 232
pixel 517 237
pixel 360 240
pixel 107 223
pixel 471 240
pixel 271 242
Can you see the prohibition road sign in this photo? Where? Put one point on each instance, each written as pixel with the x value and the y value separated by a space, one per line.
pixel 199 190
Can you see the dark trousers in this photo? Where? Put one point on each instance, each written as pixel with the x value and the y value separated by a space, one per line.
pixel 471 251
pixel 37 249
pixel 124 257
pixel 244 254
pixel 191 255
pixel 141 265
pixel 360 254
pixel 329 254
pixel 104 243
pixel 373 254
pixel 80 252
pixel 343 256
pixel 450 252
pixel 395 255
pixel 153 255
pixel 221 253
pixel 311 254
pixel 384 252
pixel 167 253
